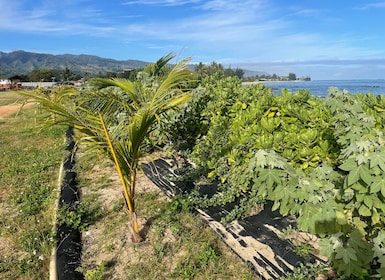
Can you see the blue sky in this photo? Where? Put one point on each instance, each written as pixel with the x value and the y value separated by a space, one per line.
pixel 322 39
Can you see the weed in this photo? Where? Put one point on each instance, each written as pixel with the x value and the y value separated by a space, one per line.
pixel 303 249
pixel 160 250
pixel 206 255
pixel 94 274
pixel 308 271
pixel 181 203
pixel 79 215
pixel 109 247
pixel 118 206
pixel 287 232
pixel 189 268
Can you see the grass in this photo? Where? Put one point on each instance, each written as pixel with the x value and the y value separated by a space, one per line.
pixel 30 161
pixel 178 244
pixel 7 98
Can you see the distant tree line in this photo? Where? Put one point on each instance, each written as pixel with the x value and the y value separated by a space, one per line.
pixel 58 75
pixel 275 77
pixel 52 75
pixel 200 70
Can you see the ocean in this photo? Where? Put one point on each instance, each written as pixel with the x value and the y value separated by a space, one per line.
pixel 320 87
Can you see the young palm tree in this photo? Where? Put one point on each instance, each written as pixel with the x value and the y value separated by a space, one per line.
pixel 117 122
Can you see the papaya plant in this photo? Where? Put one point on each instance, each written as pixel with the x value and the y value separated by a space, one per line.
pixel 115 117
pixel 356 244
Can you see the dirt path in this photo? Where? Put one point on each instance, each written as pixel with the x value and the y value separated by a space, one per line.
pixel 7 110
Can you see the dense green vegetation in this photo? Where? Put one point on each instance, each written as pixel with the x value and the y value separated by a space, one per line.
pixel 322 160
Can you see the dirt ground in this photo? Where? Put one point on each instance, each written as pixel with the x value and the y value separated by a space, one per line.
pixel 8 110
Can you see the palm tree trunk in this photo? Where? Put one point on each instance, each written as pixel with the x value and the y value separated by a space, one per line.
pixel 135 234
pixel 135 237
pixel 133 227
pixel 128 188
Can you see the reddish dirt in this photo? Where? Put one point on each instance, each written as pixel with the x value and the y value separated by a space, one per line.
pixel 7 110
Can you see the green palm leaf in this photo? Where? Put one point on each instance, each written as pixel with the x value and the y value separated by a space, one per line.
pixel 118 115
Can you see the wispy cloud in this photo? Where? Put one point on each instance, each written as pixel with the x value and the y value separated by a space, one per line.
pixel 369 6
pixel 64 17
pixel 162 2
pixel 233 28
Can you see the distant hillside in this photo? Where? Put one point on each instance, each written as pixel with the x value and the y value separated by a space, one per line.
pixel 21 62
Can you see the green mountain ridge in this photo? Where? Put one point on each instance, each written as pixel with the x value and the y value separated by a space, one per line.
pixel 22 62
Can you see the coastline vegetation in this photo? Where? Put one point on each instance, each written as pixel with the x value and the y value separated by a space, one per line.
pixel 320 160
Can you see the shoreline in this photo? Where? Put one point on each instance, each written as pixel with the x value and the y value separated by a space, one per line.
pixel 261 82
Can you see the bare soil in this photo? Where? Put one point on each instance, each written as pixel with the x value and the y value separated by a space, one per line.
pixel 7 110
pixel 106 241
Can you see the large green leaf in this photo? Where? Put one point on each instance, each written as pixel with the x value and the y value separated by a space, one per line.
pixel 349 165
pixel 365 174
pixel 353 176
pixel 271 177
pixel 309 216
pixel 346 254
pixel 364 211
pixel 377 159
pixel 377 185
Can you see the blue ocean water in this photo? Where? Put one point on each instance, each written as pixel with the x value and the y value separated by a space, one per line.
pixel 320 87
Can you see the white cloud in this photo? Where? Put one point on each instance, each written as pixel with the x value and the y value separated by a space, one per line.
pixel 375 5
pixel 65 18
pixel 162 2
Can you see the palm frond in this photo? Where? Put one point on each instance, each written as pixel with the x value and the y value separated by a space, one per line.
pixel 116 115
pixel 156 69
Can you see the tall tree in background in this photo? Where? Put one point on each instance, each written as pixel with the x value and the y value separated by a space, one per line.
pixel 292 77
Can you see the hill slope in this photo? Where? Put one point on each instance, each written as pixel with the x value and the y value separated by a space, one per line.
pixel 21 62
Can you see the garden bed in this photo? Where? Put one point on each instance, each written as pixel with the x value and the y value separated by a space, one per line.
pixel 177 243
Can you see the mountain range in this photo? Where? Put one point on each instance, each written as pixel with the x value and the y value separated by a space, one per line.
pixel 22 63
